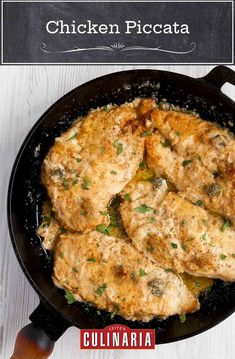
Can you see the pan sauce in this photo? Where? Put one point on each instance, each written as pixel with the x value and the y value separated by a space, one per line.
pixel 50 228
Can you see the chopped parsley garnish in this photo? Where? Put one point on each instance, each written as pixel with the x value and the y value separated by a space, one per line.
pixel 116 308
pixel 142 272
pixel 223 257
pixel 101 289
pixel 182 318
pixel 143 208
pixel 104 213
pixel 46 221
pixel 127 197
pixel 75 182
pixel 72 137
pixel 61 255
pixel 152 220
pixel 74 269
pixel 78 159
pixel 225 225
pixel 70 298
pixel 204 236
pixel 63 230
pixel 183 246
pixel 199 203
pixel 174 245
pixel 65 184
pixel 86 183
pixel 233 255
pixel 93 260
pixel 102 149
pixel 166 143
pixel 146 133
pixel 105 108
pixel 119 146
pixel 186 162
pixel 183 223
pixel 113 172
pixel 83 213
pixel 177 133
pixel 103 229
pixel 142 165
pixel 205 221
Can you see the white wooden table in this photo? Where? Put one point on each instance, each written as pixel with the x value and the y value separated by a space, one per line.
pixel 25 93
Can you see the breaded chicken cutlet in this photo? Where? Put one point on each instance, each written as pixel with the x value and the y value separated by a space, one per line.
pixel 197 156
pixel 177 234
pixel 90 163
pixel 113 275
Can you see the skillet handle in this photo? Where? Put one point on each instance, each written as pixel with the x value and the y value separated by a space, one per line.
pixel 32 343
pixel 219 75
pixel 36 340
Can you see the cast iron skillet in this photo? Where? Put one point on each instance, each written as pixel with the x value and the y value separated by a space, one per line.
pixel 53 315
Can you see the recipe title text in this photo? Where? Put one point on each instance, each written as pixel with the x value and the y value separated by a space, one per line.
pixel 130 27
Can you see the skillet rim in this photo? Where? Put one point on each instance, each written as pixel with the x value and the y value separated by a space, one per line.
pixel 206 85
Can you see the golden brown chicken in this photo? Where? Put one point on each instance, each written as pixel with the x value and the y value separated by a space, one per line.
pixel 197 156
pixel 113 275
pixel 90 163
pixel 177 234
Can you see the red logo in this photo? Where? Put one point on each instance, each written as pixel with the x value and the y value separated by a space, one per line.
pixel 117 336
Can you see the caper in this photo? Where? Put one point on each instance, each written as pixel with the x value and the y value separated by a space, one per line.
pixel 213 189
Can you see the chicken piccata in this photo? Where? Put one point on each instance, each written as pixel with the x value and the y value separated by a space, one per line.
pixel 140 207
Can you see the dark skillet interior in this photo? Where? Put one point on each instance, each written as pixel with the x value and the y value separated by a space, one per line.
pixel 26 194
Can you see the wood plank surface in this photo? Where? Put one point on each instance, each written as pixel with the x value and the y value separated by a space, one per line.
pixel 25 93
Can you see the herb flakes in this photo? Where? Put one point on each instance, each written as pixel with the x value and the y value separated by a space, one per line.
pixel 143 208
pixel 142 272
pixel 199 203
pixel 75 182
pixel 83 213
pixel 70 298
pixel 103 229
pixel 86 183
pixel 104 213
pixel 93 260
pixel 127 197
pixel 72 137
pixel 101 289
pixel 166 143
pixel 183 246
pixel 186 162
pixel 146 133
pixel 227 223
pixel 182 318
pixel 119 147
pixel 204 236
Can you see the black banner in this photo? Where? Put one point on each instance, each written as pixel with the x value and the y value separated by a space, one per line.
pixel 117 32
